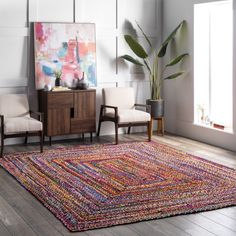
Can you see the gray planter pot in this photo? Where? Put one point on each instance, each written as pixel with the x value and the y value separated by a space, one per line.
pixel 157 107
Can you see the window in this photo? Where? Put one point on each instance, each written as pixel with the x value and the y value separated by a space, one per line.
pixel 213 64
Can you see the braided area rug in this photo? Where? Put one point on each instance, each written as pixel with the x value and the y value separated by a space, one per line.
pixel 95 186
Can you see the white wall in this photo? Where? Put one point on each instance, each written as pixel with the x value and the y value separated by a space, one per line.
pixel 178 94
pixel 110 17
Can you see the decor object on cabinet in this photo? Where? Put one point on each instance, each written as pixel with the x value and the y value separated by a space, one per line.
pixel 120 107
pixel 156 74
pixel 16 120
pixel 82 83
pixel 47 87
pixel 94 186
pixel 57 74
pixel 66 47
pixel 68 112
pixel 59 88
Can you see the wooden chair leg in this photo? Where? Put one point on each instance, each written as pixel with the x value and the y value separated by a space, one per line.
pixel 129 129
pixel 26 137
pixel 99 127
pixel 2 145
pixel 116 132
pixel 41 141
pixel 100 121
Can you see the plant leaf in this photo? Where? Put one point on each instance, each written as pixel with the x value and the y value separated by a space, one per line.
pixel 162 50
pixel 132 60
pixel 136 47
pixel 145 36
pixel 176 60
pixel 173 33
pixel 174 76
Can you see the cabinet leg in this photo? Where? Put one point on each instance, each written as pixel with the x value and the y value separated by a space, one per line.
pixel 83 136
pixel 50 140
pixel 91 137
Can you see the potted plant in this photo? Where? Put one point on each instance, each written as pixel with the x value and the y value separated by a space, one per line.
pixel 57 74
pixel 156 73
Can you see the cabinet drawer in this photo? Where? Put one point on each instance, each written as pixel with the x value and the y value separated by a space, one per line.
pixel 80 126
pixel 60 100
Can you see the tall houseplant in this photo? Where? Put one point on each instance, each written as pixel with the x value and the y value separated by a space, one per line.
pixel 156 72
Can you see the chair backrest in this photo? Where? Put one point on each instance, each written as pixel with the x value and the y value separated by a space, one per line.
pixel 14 105
pixel 123 98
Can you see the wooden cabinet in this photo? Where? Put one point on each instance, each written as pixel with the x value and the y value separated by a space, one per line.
pixel 68 112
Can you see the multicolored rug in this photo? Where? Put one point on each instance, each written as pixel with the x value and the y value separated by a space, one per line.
pixel 95 186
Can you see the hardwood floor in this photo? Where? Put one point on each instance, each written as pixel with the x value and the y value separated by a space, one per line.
pixel 22 215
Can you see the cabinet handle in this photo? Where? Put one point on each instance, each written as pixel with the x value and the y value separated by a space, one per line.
pixel 72 112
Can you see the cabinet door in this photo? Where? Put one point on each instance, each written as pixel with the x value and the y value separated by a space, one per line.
pixel 60 105
pixel 84 119
pixel 58 121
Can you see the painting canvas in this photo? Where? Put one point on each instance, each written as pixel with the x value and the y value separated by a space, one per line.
pixel 68 48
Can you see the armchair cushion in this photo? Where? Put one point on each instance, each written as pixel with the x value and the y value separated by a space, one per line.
pixel 12 105
pixel 130 116
pixel 123 98
pixel 21 124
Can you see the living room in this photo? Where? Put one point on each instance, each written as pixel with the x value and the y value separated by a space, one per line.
pixel 196 128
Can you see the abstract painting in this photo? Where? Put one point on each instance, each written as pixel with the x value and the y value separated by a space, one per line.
pixel 68 48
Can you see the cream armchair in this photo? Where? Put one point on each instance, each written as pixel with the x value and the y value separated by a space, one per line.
pixel 16 120
pixel 119 107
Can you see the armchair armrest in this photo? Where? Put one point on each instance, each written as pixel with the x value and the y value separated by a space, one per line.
pixel 108 106
pixel 148 107
pixel 39 114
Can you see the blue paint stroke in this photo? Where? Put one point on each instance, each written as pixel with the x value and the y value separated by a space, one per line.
pixel 47 70
pixel 63 50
